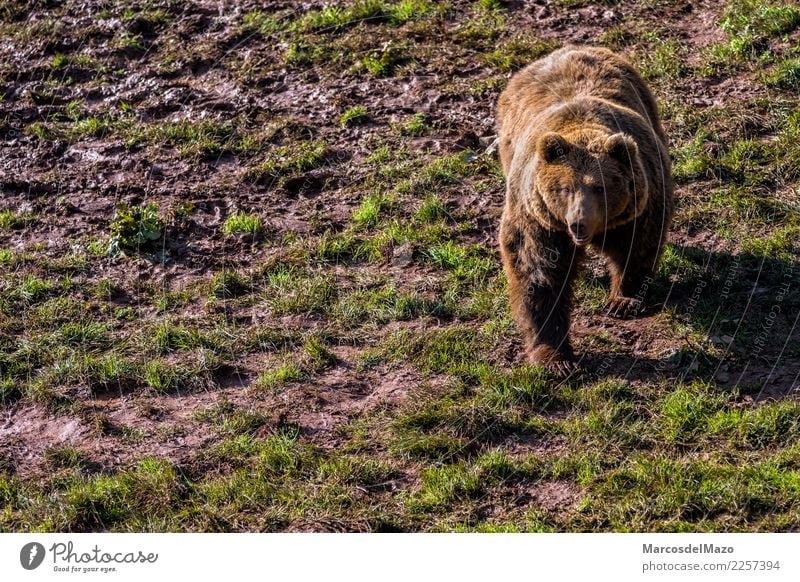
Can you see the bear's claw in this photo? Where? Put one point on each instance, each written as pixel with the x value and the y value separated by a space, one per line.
pixel 623 307
pixel 562 369
pixel 559 363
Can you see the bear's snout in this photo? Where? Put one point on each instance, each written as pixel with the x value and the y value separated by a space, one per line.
pixel 579 232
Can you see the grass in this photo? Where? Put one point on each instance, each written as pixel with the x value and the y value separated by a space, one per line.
pixel 10 219
pixel 786 75
pixel 371 209
pixel 749 25
pixel 135 228
pixel 415 125
pixel 242 223
pixel 517 52
pixel 354 116
pixel 292 282
pixel 286 161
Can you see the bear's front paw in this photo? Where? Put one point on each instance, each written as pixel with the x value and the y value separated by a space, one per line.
pixel 557 363
pixel 623 307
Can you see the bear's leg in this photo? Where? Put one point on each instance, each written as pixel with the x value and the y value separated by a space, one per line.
pixel 540 267
pixel 631 262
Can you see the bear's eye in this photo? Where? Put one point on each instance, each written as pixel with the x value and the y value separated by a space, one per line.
pixel 564 190
pixel 598 190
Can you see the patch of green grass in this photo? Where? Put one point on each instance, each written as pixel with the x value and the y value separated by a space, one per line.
pixel 300 54
pixel 482 29
pixel 148 18
pixel 228 284
pixel 354 116
pixel 134 228
pixel 260 21
pixel 445 170
pixel 32 288
pixel 288 160
pixel 242 223
pixel 467 263
pixel 692 161
pixel 778 243
pixel 64 457
pixel 760 17
pixel 432 209
pixel 347 247
pixel 198 139
pixel 443 486
pixel 317 354
pixel 448 255
pixel 289 290
pixel 410 10
pixel 93 126
pixel 681 264
pixel 684 413
pixel 336 17
pixel 42 131
pixel 517 52
pixel 13 220
pixel 230 419
pixel 749 24
pixel 111 371
pixel 687 494
pixel 127 41
pixel 416 125
pixel 452 350
pixel 384 62
pixel 137 496
pixel 162 376
pixel 86 334
pixel 59 61
pixel 786 75
pixel 169 338
pixel 384 304
pixel 662 60
pixel 758 428
pixel 371 209
pixel 277 377
pixel 617 37
pixel 525 385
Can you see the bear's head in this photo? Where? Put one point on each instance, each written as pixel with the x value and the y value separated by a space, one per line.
pixel 587 182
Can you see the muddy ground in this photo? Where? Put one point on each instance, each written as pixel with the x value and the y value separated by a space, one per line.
pixel 209 109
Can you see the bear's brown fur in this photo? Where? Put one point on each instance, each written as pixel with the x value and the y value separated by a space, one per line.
pixel 586 163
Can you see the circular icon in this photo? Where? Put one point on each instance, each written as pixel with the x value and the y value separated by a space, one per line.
pixel 31 555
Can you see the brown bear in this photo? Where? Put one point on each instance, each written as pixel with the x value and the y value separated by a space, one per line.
pixel 586 163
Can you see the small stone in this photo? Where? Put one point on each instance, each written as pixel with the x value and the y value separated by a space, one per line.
pixel 723 377
pixel 403 255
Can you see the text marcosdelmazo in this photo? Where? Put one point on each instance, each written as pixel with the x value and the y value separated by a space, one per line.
pixel 687 549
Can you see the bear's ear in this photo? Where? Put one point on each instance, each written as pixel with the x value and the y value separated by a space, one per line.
pixel 622 148
pixel 552 146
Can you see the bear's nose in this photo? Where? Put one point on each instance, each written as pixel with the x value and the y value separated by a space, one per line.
pixel 578 230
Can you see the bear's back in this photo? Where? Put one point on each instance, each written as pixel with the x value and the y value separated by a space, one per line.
pixel 567 75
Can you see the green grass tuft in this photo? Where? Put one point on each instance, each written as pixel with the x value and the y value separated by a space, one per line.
pixel 242 223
